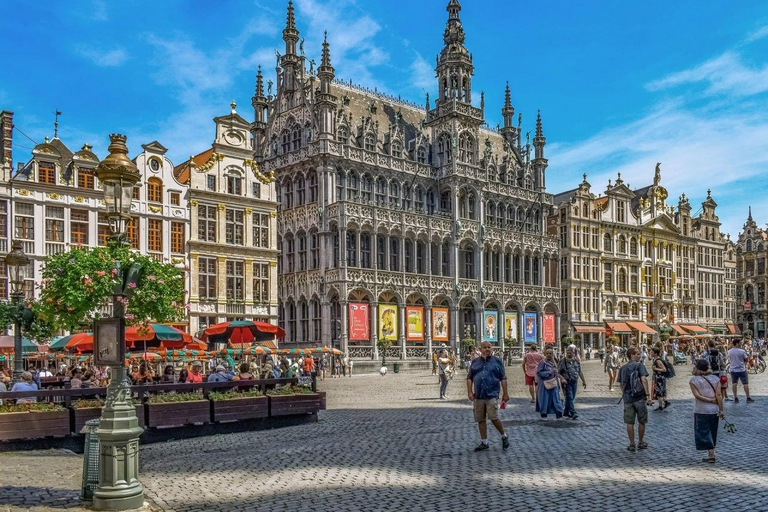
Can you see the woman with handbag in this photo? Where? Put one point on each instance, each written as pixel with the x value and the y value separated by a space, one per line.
pixel 548 381
pixel 707 410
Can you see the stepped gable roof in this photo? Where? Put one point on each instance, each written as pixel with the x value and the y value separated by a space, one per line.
pixel 182 171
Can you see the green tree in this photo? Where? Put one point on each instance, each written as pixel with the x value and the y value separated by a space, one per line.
pixel 33 326
pixel 77 284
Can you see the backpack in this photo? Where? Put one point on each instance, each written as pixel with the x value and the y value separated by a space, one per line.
pixel 670 373
pixel 635 385
pixel 714 361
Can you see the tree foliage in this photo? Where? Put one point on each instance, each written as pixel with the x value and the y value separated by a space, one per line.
pixel 77 285
pixel 33 326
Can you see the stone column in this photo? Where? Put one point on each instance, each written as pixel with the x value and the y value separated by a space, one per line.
pixel 375 329
pixel 401 334
pixel 343 337
pixel 453 328
pixel 325 322
pixel 428 328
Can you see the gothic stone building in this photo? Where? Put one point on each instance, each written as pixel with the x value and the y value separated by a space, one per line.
pixel 413 224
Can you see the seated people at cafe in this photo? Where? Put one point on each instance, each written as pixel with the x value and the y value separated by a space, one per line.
pixel 88 381
pixel 196 373
pixel 220 375
pixel 244 373
pixel 76 381
pixel 169 376
pixel 26 384
pixel 183 376
pixel 145 375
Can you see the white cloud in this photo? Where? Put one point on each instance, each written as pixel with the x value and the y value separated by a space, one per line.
pixel 99 12
pixel 422 74
pixel 103 58
pixel 726 74
pixel 756 35
pixel 710 133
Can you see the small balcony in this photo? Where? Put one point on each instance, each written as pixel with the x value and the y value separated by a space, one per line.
pixel 235 308
pixel 52 248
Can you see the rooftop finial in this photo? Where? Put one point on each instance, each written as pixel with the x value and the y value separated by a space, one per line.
pixel 709 193
pixel 585 177
pixel 233 105
pixel 657 175
pixel 56 125
pixel 750 213
pixel 538 124
pixel 290 22
pixel 326 60
pixel 259 83
pixel 507 97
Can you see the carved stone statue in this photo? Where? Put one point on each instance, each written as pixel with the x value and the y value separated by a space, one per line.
pixel 301 46
pixel 269 87
pixel 311 66
pixel 277 54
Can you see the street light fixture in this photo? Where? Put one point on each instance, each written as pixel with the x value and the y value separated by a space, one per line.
pixel 15 261
pixel 118 432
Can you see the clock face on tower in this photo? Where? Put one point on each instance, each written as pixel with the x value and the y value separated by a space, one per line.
pixel 154 164
pixel 233 138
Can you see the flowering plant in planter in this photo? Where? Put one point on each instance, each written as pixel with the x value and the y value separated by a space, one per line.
pixel 77 284
pixel 165 398
pixel 34 407
pixel 232 394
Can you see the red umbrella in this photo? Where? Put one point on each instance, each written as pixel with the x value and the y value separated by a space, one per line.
pixel 242 331
pixel 158 335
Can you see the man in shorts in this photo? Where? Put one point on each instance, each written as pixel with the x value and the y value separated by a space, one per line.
pixel 635 404
pixel 530 361
pixel 738 358
pixel 486 374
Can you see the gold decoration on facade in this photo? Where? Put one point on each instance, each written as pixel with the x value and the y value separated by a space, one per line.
pixel 54 196
pixel 221 207
pixel 215 157
pixel 272 263
pixel 273 214
pixel 193 202
pixel 155 209
pixel 248 211
pixel 177 261
pixel 24 192
pixel 264 178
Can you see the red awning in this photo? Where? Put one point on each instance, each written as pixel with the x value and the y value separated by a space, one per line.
pixel 618 327
pixel 588 328
pixel 641 327
pixel 733 329
pixel 695 329
pixel 679 329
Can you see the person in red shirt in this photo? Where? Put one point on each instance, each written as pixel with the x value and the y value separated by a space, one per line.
pixel 530 361
pixel 309 365
pixel 195 374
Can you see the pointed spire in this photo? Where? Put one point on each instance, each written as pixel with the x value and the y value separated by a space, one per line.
pixel 290 34
pixel 427 103
pixel 538 124
pixel 290 22
pixel 259 83
pixel 585 177
pixel 709 193
pixel 750 213
pixel 482 100
pixel 326 60
pixel 507 97
pixel 454 32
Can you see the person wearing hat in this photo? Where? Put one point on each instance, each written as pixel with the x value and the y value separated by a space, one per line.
pixel 220 375
pixel 195 373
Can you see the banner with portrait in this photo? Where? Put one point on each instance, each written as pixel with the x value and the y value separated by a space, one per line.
pixel 440 323
pixel 510 325
pixel 359 321
pixel 387 322
pixel 548 329
pixel 414 323
pixel 490 325
pixel 530 329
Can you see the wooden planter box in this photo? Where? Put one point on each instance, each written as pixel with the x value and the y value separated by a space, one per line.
pixel 31 425
pixel 80 416
pixel 322 400
pixel 246 408
pixel 173 414
pixel 288 405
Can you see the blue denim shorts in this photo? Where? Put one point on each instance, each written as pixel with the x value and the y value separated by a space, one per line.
pixel 739 376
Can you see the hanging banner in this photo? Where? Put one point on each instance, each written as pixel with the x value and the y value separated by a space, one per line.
pixel 414 323
pixel 490 325
pixel 510 325
pixel 359 322
pixel 548 330
pixel 387 322
pixel 530 328
pixel 440 324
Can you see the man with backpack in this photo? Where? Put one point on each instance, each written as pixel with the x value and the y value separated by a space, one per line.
pixel 633 378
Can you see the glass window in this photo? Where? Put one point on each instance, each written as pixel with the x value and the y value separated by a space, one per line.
pixel 154 190
pixel 85 179
pixel 79 227
pixel 103 229
pixel 54 224
pixel 206 223
pixel 234 185
pixel 175 198
pixel 261 282
pixel 260 229
pixel 155 235
pixel 235 226
pixel 234 280
pixel 314 251
pixel 177 237
pixel 207 278
pixel 210 183
pixel 46 173
pixel 256 189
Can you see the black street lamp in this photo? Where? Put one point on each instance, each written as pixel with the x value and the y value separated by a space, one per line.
pixel 119 430
pixel 15 261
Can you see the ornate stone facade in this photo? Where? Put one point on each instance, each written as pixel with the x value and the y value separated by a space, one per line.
pixel 632 265
pixel 403 210
pixel 233 261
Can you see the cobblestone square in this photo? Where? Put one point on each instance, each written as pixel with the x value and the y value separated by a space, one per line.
pixel 387 443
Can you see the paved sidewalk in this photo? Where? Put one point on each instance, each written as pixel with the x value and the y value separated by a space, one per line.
pixel 387 443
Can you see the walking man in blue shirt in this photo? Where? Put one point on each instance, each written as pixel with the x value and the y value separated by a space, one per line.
pixel 486 374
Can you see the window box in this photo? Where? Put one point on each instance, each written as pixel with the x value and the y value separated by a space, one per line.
pixel 46 421
pixel 172 410
pixel 293 404
pixel 234 409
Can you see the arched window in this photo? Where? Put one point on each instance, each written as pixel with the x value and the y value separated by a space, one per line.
pixel 343 134
pixel 407 197
pixel 367 188
pixel 394 194
pixel 500 209
pixel 634 309
pixel 466 148
pixel 624 308
pixel 471 206
pixel 622 280
pixel 155 190
pixel 341 182
pixel 381 191
pixel 520 217
pixel 234 184
pixel 418 197
pixel 607 245
pixel 352 186
pixel 421 155
pixel 444 149
pixel 608 308
pixel 312 186
pixel 633 246
pixel 490 214
pixel 285 138
pixel 468 260
pixel 749 245
pixel 370 142
pixel 622 244
pixel 296 138
pixel 585 210
pixel 397 149
pixel 300 191
pixel 288 191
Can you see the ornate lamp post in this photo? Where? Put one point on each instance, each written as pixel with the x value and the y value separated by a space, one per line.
pixel 15 261
pixel 119 487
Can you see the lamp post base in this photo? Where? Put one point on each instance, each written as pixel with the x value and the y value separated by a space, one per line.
pixel 119 487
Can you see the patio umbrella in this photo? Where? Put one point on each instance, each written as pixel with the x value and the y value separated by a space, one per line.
pixel 242 331
pixel 7 345
pixel 158 335
pixel 259 350
pixel 323 350
pixel 143 356
pixel 294 351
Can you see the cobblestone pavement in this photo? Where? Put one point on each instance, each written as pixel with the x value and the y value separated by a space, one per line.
pixel 386 443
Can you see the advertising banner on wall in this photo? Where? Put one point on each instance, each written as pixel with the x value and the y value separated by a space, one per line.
pixel 530 329
pixel 440 323
pixel 387 322
pixel 414 323
pixel 490 325
pixel 359 322
pixel 548 329
pixel 510 325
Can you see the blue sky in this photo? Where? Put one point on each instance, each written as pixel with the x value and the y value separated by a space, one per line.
pixel 621 85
